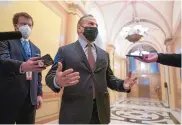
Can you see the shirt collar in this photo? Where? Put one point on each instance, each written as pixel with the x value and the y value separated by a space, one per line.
pixel 84 43
pixel 23 40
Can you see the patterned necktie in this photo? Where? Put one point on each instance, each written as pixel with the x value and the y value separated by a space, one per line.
pixel 91 61
pixel 27 49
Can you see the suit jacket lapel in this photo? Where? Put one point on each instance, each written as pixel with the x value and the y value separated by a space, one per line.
pixel 21 49
pixel 34 52
pixel 32 47
pixel 99 56
pixel 81 53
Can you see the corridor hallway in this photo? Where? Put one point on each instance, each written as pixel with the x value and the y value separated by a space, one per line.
pixel 141 111
pixel 125 27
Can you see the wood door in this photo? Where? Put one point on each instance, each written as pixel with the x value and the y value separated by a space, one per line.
pixel 144 87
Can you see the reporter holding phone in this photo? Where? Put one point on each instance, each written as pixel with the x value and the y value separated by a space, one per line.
pixel 20 75
pixel 165 59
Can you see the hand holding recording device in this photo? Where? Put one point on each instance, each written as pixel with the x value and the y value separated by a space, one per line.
pixel 46 61
pixel 135 56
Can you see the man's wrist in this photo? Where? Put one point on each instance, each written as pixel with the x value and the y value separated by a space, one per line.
pixel 158 57
pixel 55 84
pixel 126 88
pixel 39 95
pixel 21 69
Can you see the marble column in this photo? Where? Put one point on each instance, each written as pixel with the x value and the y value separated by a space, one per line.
pixel 72 20
pixel 171 76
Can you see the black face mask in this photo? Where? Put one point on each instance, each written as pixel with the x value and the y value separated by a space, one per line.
pixel 90 33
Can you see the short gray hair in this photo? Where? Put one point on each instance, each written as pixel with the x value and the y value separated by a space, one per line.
pixel 83 17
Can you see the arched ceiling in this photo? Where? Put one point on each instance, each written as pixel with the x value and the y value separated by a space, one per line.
pixel 144 47
pixel 161 17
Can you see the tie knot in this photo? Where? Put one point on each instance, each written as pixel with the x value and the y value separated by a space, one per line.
pixel 89 45
pixel 25 42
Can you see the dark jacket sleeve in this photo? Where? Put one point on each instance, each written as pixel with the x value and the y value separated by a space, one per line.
pixel 113 82
pixel 7 64
pixel 52 72
pixel 169 59
pixel 39 88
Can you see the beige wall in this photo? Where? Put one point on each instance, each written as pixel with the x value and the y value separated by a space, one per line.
pixel 46 32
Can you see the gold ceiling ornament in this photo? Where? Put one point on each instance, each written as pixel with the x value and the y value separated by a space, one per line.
pixel 134 37
pixel 135 31
pixel 84 2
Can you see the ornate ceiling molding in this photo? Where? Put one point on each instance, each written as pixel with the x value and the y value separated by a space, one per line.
pixel 54 7
pixel 177 25
pixel 65 7
pixel 126 4
pixel 72 7
pixel 141 20
pixel 102 14
pixel 159 14
pixel 111 48
pixel 168 41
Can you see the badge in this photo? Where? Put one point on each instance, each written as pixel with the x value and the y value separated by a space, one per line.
pixel 41 64
pixel 28 75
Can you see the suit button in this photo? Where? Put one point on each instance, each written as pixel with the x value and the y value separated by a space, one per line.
pixel 90 87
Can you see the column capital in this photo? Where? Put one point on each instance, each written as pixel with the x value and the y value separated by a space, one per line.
pixel 73 7
pixel 169 45
pixel 111 48
pixel 168 41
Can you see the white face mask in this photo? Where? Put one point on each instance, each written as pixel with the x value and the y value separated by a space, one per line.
pixel 25 31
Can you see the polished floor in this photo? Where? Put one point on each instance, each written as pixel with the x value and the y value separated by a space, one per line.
pixel 141 111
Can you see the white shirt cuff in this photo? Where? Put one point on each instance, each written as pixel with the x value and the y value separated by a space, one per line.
pixel 55 84
pixel 21 70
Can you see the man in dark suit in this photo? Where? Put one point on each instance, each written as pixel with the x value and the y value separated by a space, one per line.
pixel 20 75
pixel 166 59
pixel 84 72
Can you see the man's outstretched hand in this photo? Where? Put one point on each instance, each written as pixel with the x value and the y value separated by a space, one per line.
pixel 129 81
pixel 66 78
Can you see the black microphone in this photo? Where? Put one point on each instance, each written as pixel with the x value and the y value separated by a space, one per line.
pixel 10 35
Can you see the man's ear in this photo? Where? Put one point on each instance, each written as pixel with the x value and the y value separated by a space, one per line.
pixel 79 28
pixel 15 27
